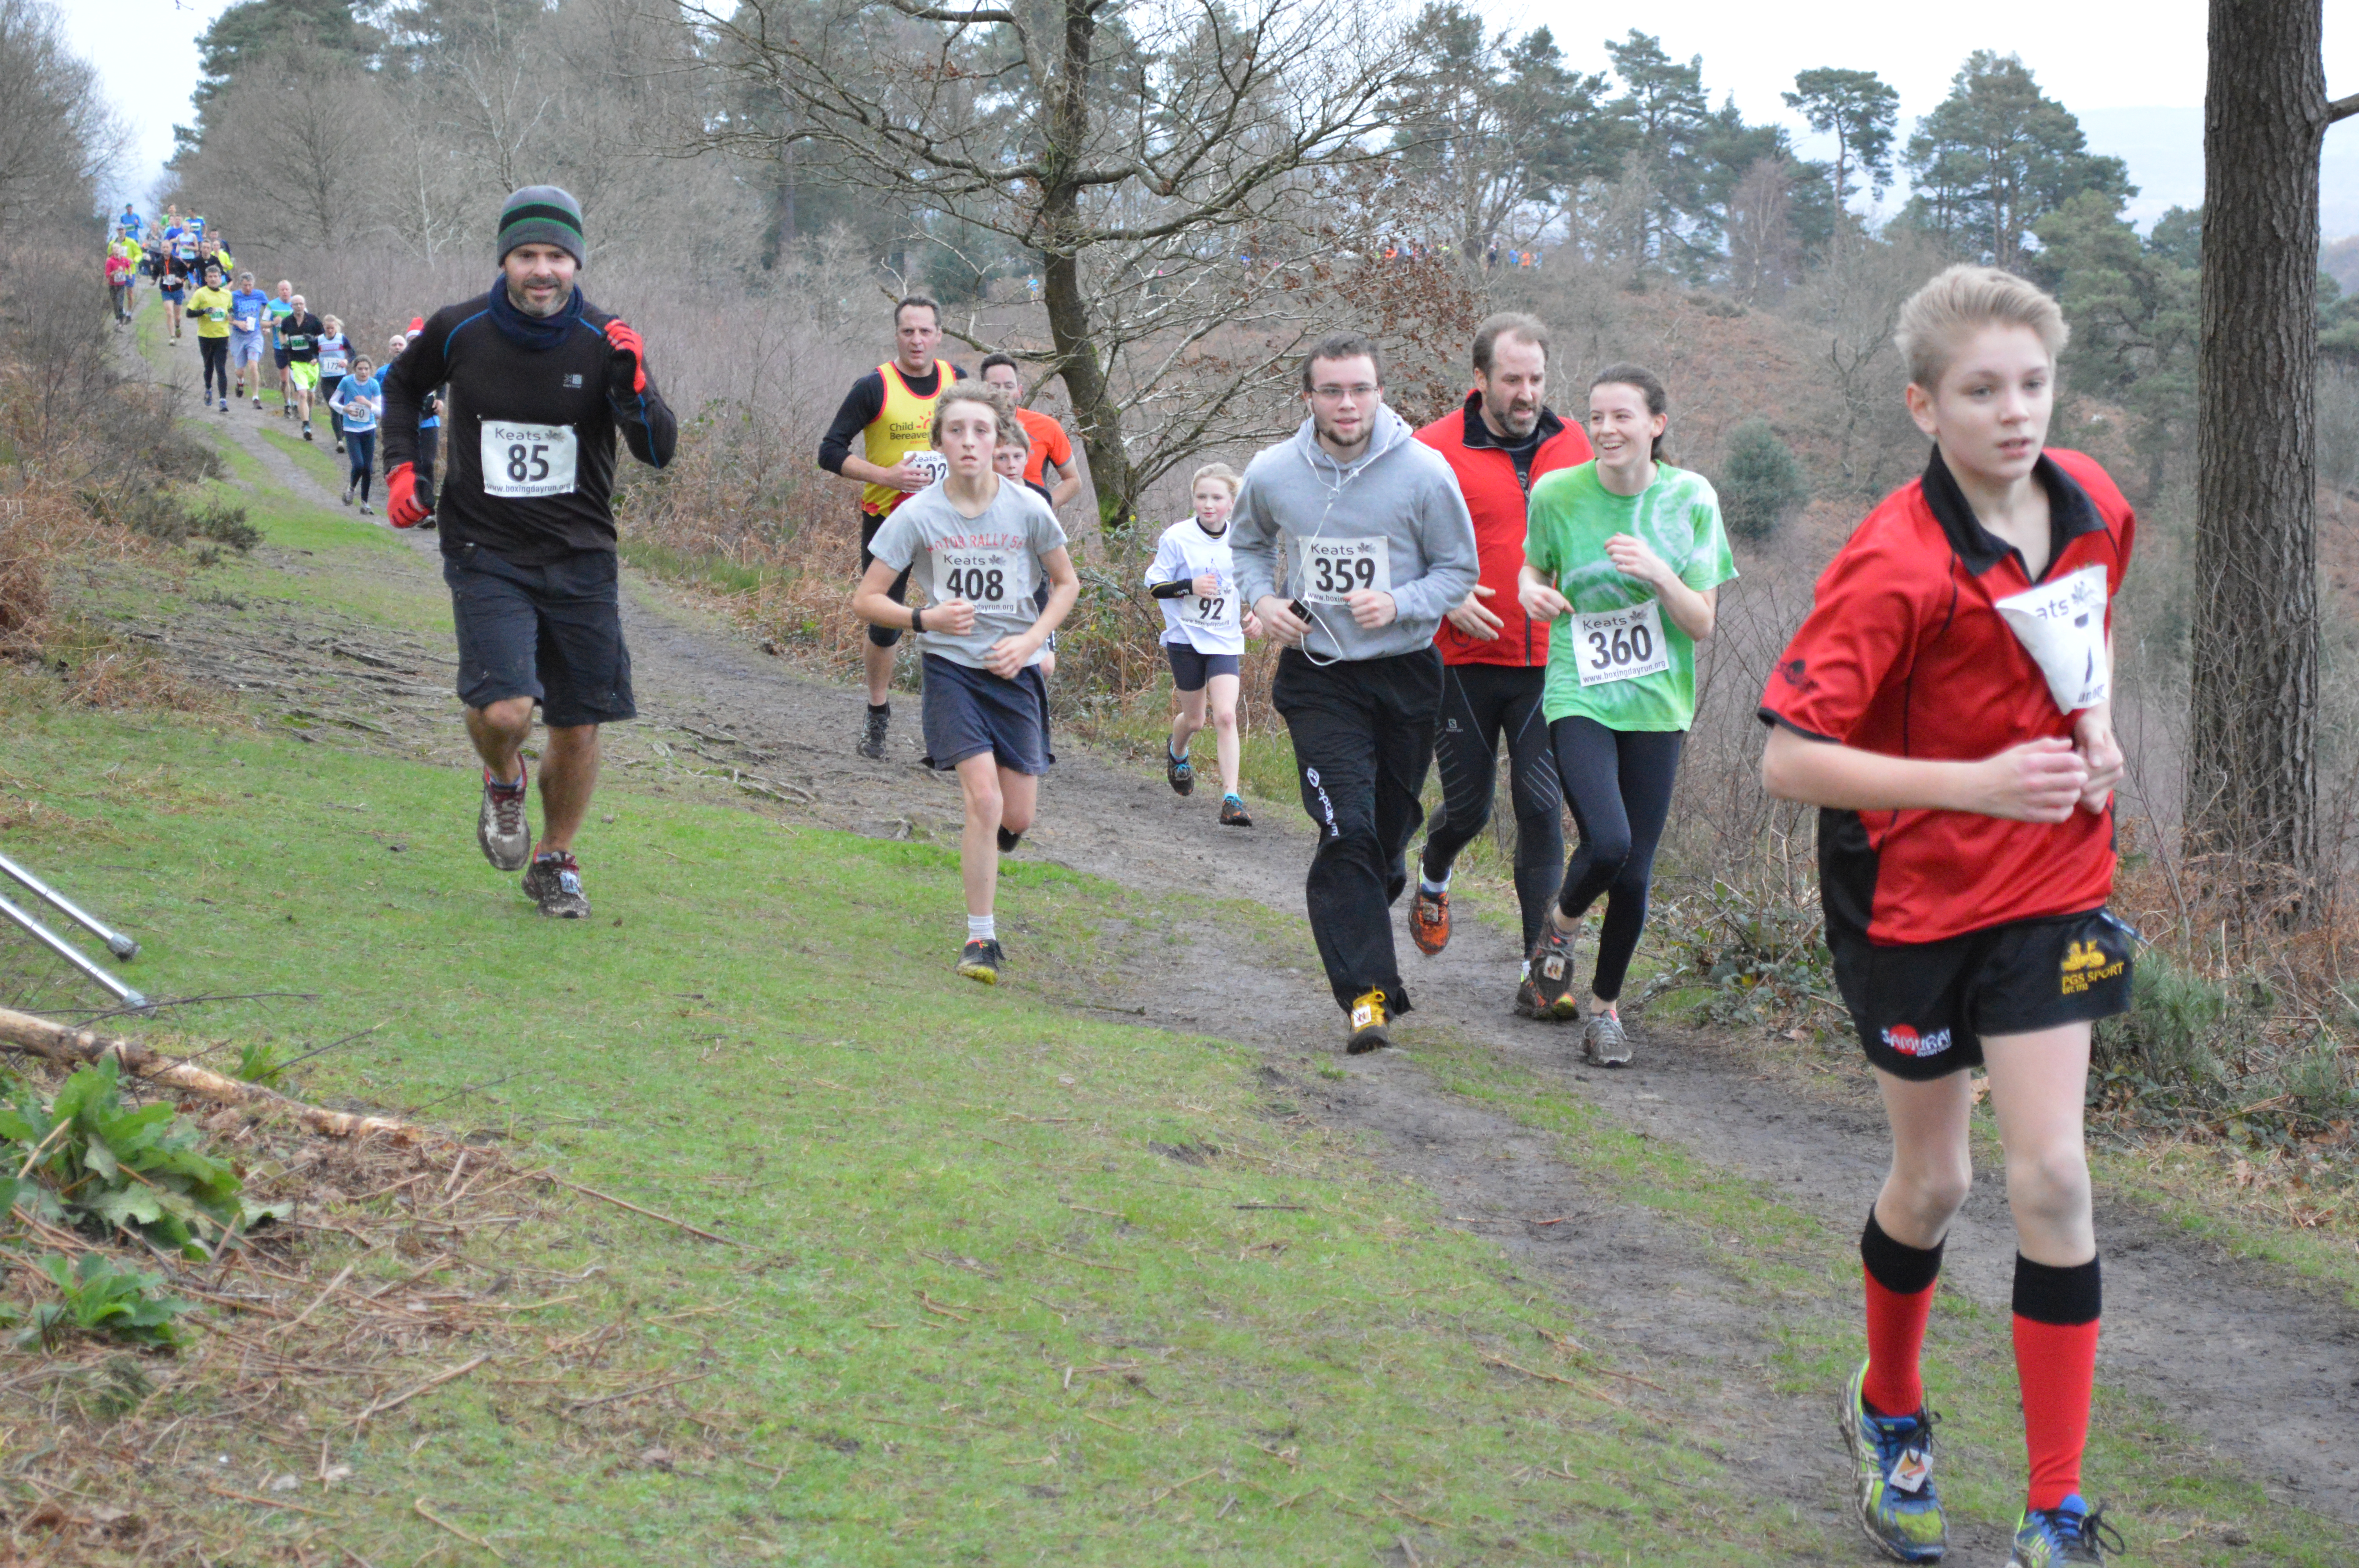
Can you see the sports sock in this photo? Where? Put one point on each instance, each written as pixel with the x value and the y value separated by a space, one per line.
pixel 1007 842
pixel 1427 884
pixel 2056 1312
pixel 880 707
pixel 506 787
pixel 1899 1299
pixel 982 928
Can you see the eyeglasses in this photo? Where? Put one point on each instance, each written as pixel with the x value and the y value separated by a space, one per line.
pixel 1358 393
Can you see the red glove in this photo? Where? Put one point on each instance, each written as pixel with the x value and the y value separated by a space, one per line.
pixel 628 349
pixel 409 499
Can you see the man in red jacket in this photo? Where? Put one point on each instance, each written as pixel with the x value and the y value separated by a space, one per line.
pixel 1494 661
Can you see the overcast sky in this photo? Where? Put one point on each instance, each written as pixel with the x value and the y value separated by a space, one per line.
pixel 2084 54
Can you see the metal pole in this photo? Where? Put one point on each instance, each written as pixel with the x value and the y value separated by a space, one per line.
pixel 119 945
pixel 72 955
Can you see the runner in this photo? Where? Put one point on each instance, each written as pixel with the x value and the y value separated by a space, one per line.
pixel 1008 461
pixel 209 306
pixel 429 417
pixel 335 359
pixel 1625 558
pixel 173 290
pixel 1203 634
pixel 119 273
pixel 1494 658
pixel 1378 546
pixel 977 544
pixel 299 334
pixel 1948 704
pixel 357 400
pixel 130 225
pixel 542 382
pixel 890 411
pixel 249 305
pixel 282 306
pixel 1045 441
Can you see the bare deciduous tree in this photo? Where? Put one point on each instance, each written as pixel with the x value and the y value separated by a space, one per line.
pixel 58 137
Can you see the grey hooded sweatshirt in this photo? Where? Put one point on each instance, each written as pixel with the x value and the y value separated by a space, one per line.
pixel 1401 492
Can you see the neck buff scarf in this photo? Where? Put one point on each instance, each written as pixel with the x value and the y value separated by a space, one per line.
pixel 536 333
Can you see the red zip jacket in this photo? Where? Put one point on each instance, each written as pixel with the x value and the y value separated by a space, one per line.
pixel 1486 477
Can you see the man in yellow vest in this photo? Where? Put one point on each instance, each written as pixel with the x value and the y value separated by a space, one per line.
pixel 890 413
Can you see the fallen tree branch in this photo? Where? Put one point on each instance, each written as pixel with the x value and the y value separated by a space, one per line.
pixel 74 1047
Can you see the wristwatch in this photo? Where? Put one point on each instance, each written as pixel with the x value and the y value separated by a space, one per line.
pixel 917 621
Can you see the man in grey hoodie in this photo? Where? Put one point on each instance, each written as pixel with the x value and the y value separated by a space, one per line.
pixel 1351 542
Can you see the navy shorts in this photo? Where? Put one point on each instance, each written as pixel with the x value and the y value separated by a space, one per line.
pixel 1191 669
pixel 550 632
pixel 969 712
pixel 883 636
pixel 1923 1008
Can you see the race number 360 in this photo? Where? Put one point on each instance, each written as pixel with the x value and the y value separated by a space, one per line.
pixel 524 460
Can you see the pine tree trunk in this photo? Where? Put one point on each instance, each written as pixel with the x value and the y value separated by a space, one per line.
pixel 2252 772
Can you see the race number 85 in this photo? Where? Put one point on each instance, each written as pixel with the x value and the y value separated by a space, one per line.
pixel 528 464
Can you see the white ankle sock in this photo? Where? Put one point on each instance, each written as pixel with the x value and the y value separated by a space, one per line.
pixel 982 928
pixel 1428 884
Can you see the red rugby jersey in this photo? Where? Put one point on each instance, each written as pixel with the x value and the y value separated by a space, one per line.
pixel 1905 652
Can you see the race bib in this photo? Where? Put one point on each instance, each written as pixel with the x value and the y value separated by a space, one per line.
pixel 330 362
pixel 1333 569
pixel 1621 644
pixel 246 323
pixel 2061 625
pixel 524 460
pixel 930 463
pixel 1221 610
pixel 991 580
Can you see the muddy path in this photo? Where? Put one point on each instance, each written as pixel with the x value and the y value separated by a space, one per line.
pixel 2265 1371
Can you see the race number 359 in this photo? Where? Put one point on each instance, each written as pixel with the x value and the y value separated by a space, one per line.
pixel 524 460
pixel 1333 569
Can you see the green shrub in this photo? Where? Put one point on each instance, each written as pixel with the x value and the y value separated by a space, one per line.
pixel 2174 1026
pixel 104 1299
pixel 1762 483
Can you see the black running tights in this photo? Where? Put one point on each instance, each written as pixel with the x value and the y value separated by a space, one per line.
pixel 214 353
pixel 1618 783
pixel 1479 704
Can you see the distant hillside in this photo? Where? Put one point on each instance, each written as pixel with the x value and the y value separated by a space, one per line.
pixel 2340 261
pixel 2163 148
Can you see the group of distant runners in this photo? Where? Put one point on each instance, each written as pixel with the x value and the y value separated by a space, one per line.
pixel 1503 575
pixel 312 364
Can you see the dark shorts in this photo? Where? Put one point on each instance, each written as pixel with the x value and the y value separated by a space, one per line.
pixel 1922 1008
pixel 969 712
pixel 883 636
pixel 1191 670
pixel 550 632
pixel 282 357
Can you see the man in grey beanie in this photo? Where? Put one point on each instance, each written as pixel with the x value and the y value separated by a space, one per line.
pixel 541 382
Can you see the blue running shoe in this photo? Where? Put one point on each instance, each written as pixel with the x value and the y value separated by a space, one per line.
pixel 1892 1472
pixel 2072 1532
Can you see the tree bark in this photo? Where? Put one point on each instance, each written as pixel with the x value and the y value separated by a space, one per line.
pixel 2251 770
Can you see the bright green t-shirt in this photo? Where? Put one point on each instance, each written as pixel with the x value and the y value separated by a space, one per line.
pixel 1572 516
pixel 209 309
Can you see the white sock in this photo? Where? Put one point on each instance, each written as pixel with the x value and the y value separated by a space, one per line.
pixel 1428 885
pixel 982 928
pixel 1527 971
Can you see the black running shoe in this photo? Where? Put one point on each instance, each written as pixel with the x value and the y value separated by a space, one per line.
pixel 307 429
pixel 555 883
pixel 1007 842
pixel 980 960
pixel 1233 813
pixel 872 742
pixel 1179 771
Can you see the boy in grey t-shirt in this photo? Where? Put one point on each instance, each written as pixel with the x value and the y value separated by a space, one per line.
pixel 977 545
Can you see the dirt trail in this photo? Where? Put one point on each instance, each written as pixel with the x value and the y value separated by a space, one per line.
pixel 2267 1372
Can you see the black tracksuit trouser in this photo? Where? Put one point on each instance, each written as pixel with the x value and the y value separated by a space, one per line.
pixel 1481 704
pixel 1363 732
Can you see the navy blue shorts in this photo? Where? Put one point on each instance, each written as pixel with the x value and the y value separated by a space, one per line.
pixel 969 712
pixel 1191 670
pixel 550 632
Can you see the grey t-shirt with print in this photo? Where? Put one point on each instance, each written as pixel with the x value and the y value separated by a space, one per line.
pixel 992 560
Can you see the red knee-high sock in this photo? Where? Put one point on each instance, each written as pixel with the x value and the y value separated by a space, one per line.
pixel 1899 1299
pixel 2056 1312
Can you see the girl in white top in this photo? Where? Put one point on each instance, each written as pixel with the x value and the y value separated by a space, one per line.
pixel 1204 631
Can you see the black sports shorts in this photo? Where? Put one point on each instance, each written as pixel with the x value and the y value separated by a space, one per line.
pixel 550 632
pixel 969 712
pixel 1191 671
pixel 883 636
pixel 1922 1008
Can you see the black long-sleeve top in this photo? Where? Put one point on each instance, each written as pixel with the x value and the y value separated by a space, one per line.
pixel 536 402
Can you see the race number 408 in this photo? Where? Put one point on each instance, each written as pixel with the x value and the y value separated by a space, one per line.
pixel 524 460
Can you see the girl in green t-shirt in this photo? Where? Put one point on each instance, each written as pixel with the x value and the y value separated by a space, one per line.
pixel 1625 558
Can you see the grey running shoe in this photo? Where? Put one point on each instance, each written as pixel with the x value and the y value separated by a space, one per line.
pixel 980 960
pixel 555 883
pixel 500 826
pixel 1551 976
pixel 1604 1042
pixel 871 743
